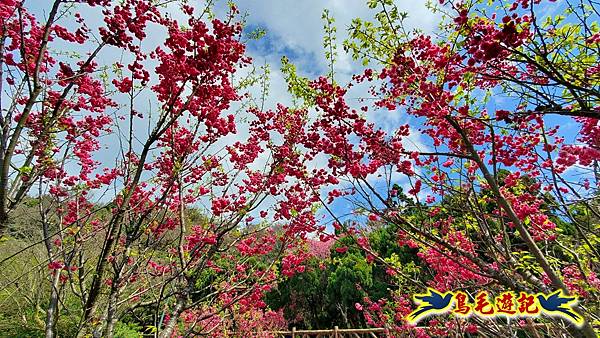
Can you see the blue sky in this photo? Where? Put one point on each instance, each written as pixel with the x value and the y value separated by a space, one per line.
pixel 295 29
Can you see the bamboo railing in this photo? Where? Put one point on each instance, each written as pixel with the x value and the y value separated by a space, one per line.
pixel 334 333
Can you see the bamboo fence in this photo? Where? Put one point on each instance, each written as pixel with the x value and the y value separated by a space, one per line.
pixel 334 333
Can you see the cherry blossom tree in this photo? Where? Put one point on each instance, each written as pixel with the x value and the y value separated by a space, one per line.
pixel 501 185
pixel 125 133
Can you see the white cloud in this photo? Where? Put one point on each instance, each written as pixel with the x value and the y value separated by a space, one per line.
pixel 297 25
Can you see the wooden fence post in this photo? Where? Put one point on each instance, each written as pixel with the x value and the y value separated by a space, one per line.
pixel 294 332
pixel 335 332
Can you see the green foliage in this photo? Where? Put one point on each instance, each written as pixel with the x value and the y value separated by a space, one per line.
pixel 329 41
pixel 328 290
pixel 377 41
pixel 23 303
pixel 302 298
pixel 127 330
pixel 257 33
pixel 302 94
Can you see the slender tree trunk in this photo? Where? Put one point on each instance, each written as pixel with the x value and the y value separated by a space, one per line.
pixel 181 298
pixel 51 312
pixel 115 292
pixel 168 331
pixel 111 317
pixel 3 222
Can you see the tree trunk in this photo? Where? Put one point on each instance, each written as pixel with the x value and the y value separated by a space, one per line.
pixel 111 317
pixel 3 222
pixel 168 331
pixel 51 313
